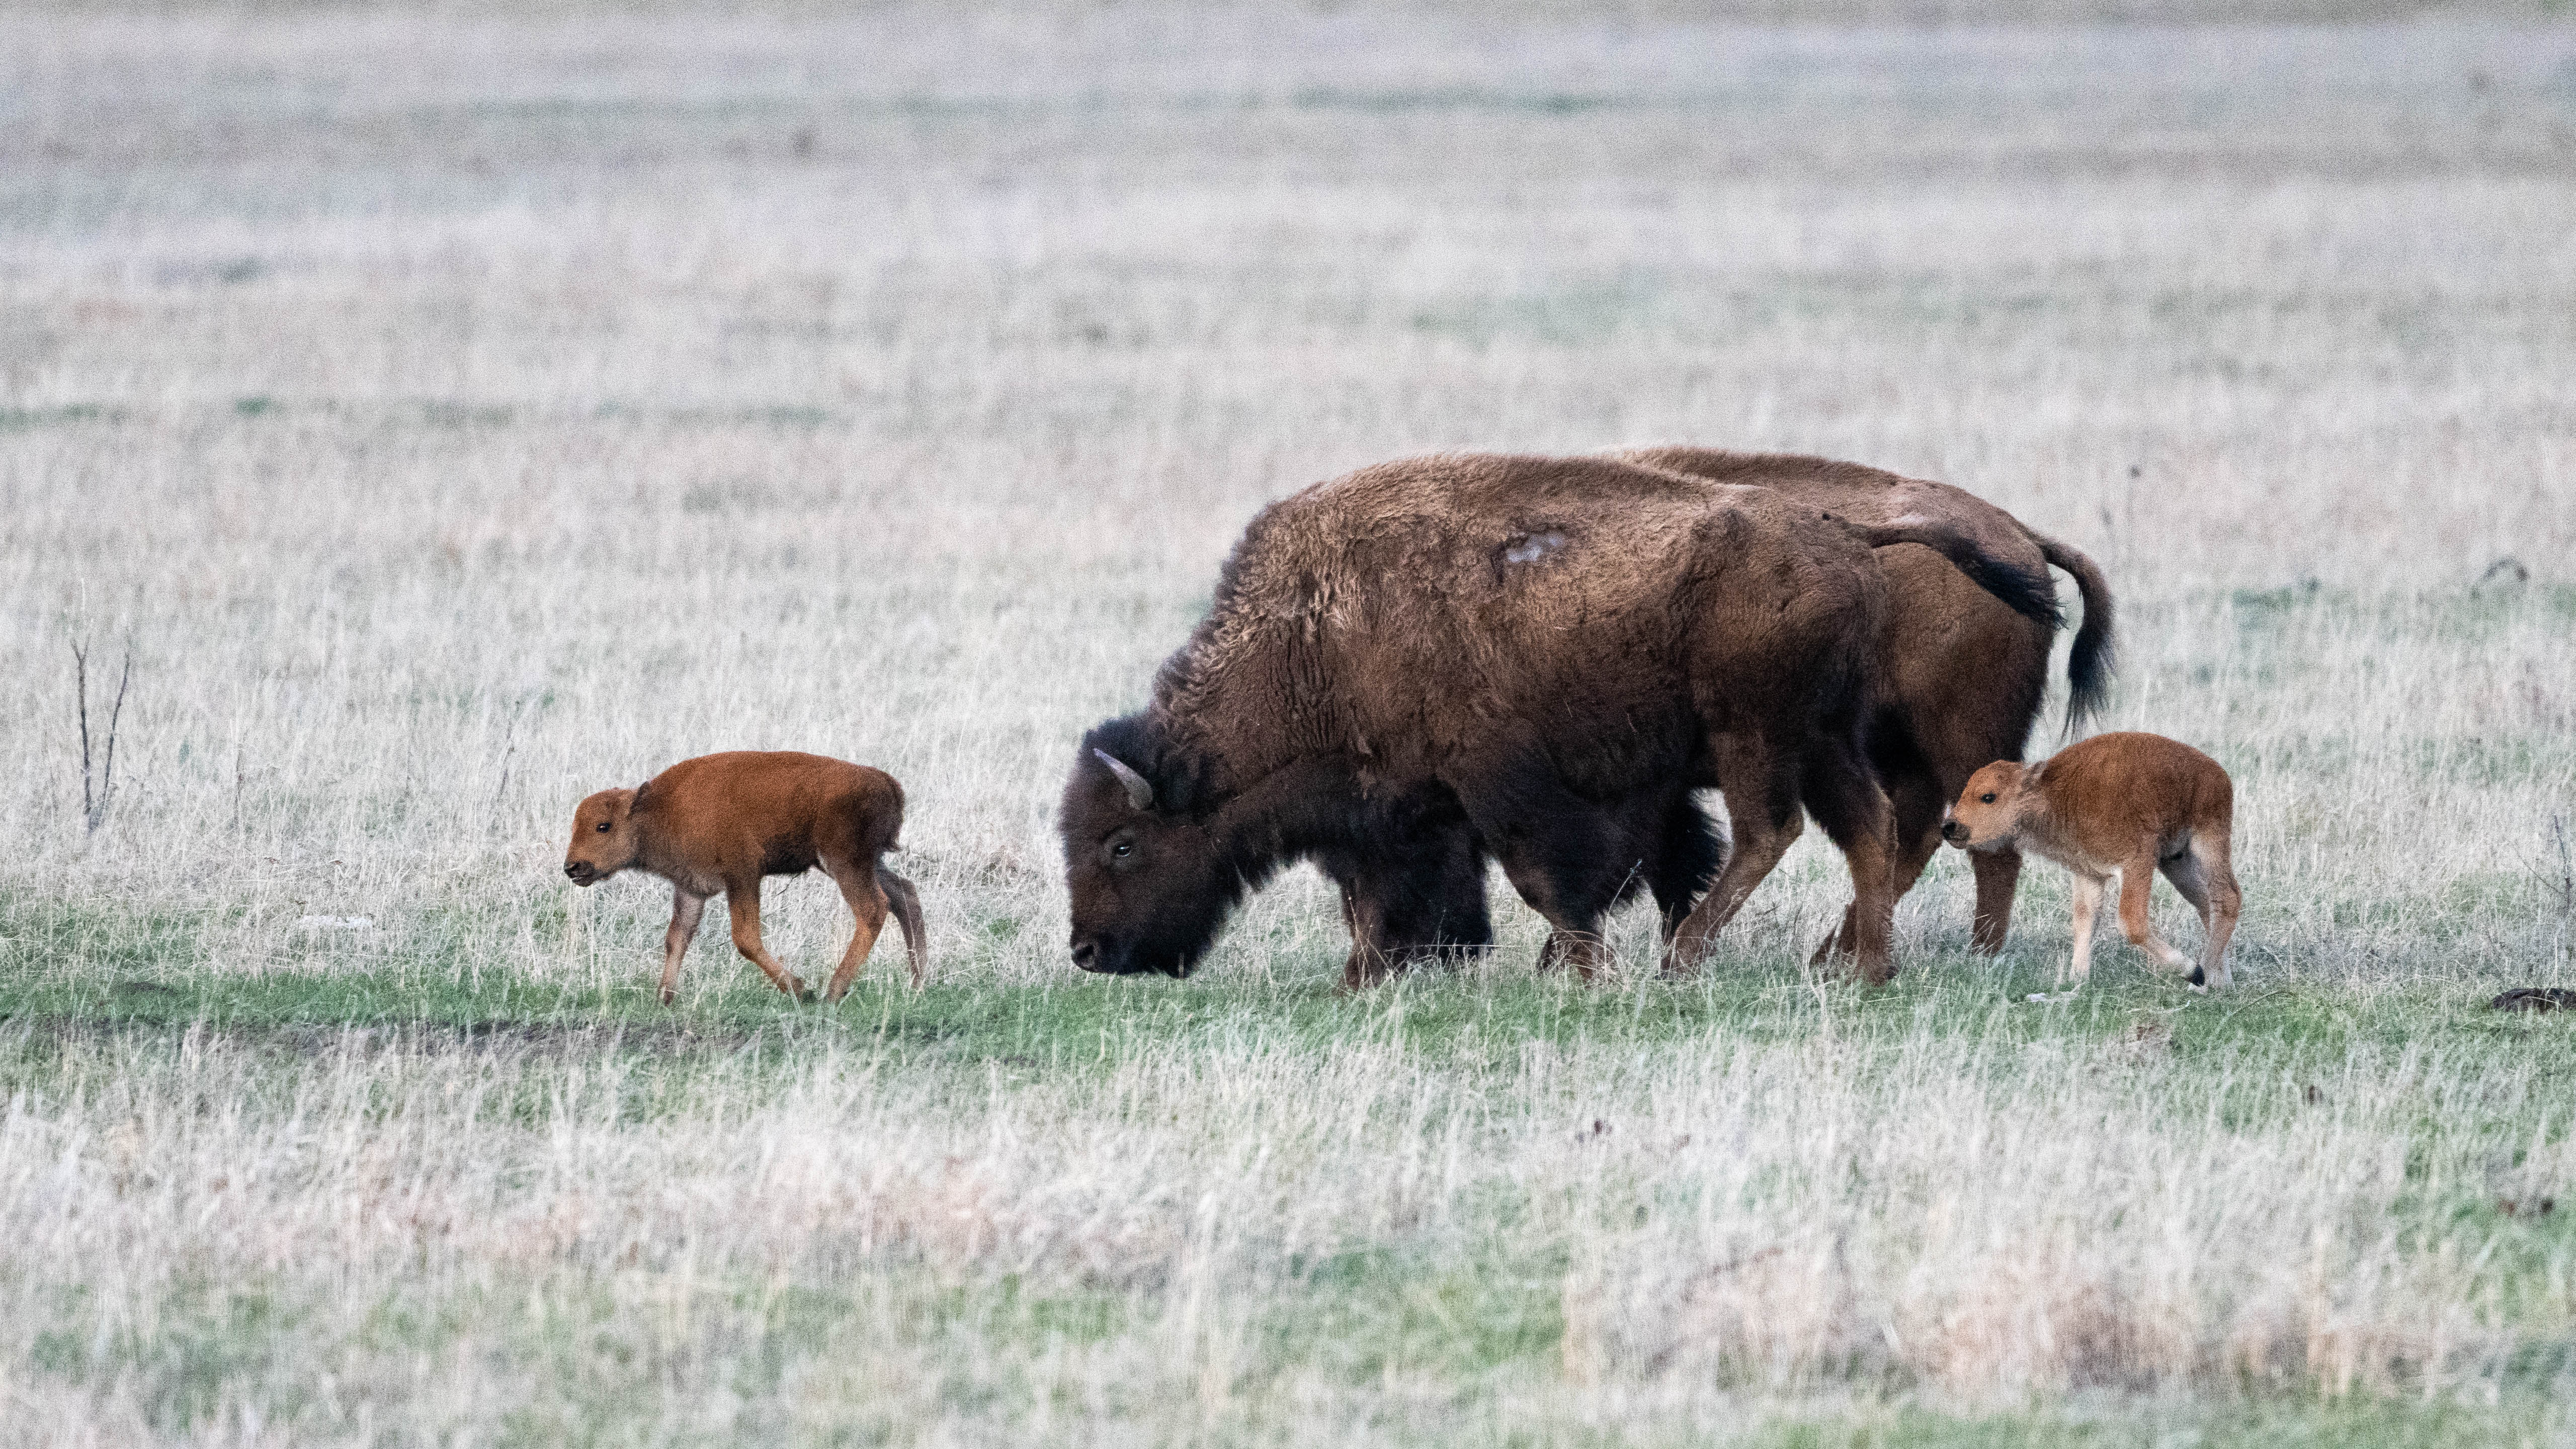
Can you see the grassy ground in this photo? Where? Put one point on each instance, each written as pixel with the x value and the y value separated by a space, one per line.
pixel 453 414
pixel 1257 1208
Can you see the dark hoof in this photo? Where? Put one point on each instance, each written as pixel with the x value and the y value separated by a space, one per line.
pixel 2196 978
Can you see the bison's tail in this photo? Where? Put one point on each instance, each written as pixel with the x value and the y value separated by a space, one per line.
pixel 2029 592
pixel 2090 662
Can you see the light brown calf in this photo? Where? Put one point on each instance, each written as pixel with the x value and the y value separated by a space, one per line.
pixel 722 822
pixel 2117 804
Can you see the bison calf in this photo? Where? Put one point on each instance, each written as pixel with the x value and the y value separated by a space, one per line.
pixel 2124 804
pixel 722 822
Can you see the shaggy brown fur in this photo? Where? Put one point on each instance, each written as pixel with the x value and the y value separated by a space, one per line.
pixel 723 822
pixel 1550 652
pixel 2118 804
pixel 1926 733
pixel 1943 628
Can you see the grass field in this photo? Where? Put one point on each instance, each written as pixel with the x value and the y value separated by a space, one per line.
pixel 451 415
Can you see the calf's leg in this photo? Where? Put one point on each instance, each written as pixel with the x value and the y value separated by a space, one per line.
pixel 867 902
pixel 2183 869
pixel 2088 900
pixel 685 911
pixel 907 913
pixel 2210 854
pixel 2137 877
pixel 742 901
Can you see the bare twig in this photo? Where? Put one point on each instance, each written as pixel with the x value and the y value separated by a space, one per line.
pixel 509 752
pixel 95 793
pixel 80 681
pixel 2565 886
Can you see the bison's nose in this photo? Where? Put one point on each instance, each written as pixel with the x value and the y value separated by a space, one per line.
pixel 1953 831
pixel 1085 952
pixel 577 871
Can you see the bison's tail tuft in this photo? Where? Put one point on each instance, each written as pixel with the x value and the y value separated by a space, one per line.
pixel 2028 592
pixel 2090 663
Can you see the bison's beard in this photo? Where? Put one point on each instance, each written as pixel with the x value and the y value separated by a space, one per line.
pixel 1171 943
pixel 1168 934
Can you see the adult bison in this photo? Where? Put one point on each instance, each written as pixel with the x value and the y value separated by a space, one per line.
pixel 1958 673
pixel 1419 662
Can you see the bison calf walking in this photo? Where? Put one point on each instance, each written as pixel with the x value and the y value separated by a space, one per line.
pixel 719 823
pixel 2125 804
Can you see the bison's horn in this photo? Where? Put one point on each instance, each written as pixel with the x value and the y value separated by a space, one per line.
pixel 1140 791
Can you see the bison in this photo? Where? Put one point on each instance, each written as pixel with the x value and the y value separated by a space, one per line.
pixel 1420 662
pixel 723 822
pixel 2124 804
pixel 1959 675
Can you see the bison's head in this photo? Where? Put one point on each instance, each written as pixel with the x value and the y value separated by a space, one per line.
pixel 1988 809
pixel 1150 885
pixel 603 837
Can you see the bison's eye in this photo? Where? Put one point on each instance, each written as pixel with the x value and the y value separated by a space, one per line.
pixel 1987 798
pixel 603 825
pixel 1123 849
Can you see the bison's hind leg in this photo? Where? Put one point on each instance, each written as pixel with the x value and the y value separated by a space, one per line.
pixel 1915 799
pixel 1687 858
pixel 1844 795
pixel 1763 820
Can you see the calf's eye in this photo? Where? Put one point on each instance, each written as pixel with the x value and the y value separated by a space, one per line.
pixel 1987 798
pixel 603 825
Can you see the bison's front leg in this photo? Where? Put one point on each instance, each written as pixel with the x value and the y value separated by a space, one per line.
pixel 1561 853
pixel 1998 872
pixel 1419 899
